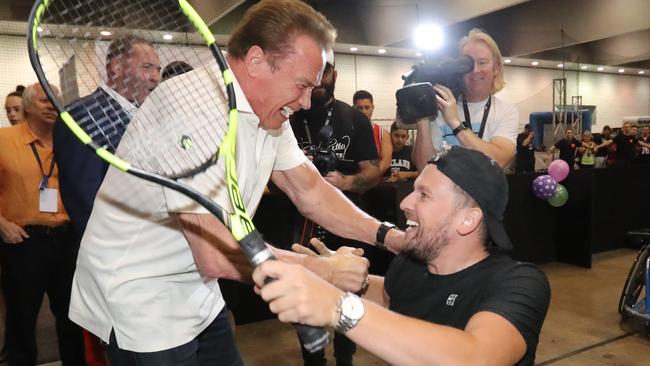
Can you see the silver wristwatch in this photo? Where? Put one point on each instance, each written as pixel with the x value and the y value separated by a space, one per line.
pixel 350 309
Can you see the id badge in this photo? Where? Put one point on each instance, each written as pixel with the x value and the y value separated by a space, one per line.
pixel 49 200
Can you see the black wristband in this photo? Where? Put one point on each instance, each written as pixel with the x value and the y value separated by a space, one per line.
pixel 461 127
pixel 382 230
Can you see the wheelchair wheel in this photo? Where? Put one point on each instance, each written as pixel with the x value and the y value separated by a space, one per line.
pixel 635 282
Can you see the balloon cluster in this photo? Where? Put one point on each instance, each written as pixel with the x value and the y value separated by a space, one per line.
pixel 546 187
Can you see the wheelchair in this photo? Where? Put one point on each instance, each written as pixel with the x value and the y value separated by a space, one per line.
pixel 634 301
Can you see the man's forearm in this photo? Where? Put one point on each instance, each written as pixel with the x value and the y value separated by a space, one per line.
pixel 423 148
pixel 367 177
pixel 503 156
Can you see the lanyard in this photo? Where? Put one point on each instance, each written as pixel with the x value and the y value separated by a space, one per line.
pixel 45 178
pixel 328 119
pixel 486 111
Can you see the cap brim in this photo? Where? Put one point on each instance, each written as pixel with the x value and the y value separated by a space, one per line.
pixel 497 233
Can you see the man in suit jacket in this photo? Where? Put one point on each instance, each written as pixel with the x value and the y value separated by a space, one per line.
pixel 133 71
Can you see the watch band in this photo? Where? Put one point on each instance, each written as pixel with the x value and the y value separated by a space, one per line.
pixel 461 127
pixel 381 234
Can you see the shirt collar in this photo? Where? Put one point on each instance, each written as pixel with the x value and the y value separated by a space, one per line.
pixel 127 106
pixel 26 134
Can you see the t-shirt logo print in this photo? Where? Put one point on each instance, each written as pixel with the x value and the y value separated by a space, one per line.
pixel 451 299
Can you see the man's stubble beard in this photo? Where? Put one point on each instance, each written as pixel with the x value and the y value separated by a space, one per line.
pixel 429 243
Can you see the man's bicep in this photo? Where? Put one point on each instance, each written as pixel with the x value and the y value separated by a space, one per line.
pixel 497 339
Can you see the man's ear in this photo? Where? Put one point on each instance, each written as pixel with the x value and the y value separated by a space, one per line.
pixel 256 61
pixel 115 67
pixel 470 221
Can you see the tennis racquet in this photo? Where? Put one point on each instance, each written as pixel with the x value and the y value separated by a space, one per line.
pixel 69 41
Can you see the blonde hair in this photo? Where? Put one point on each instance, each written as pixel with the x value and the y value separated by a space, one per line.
pixel 478 35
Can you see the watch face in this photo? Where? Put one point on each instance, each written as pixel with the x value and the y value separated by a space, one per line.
pixel 352 307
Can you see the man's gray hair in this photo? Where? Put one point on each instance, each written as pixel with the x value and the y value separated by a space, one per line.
pixel 30 91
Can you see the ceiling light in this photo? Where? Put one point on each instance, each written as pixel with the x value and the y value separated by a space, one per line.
pixel 105 33
pixel 641 72
pixel 584 67
pixel 507 60
pixel 428 37
pixel 381 50
pixel 168 37
pixel 621 70
pixel 354 49
pixel 560 65
pixel 534 63
pixel 418 54
pixel 39 29
pixel 600 68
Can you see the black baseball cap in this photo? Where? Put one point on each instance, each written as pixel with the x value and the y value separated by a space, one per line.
pixel 482 179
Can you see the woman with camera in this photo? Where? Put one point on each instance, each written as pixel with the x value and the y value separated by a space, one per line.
pixel 477 120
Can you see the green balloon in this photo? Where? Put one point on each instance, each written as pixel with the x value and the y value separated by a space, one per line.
pixel 560 196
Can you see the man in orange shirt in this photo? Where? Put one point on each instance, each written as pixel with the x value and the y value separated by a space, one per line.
pixel 38 250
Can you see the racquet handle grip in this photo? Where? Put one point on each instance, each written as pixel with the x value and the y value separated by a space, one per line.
pixel 313 339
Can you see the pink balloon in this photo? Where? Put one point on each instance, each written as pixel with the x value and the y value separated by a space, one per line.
pixel 558 169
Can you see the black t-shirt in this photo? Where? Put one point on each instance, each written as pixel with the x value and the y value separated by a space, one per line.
pixel 568 150
pixel 524 152
pixel 517 291
pixel 625 147
pixel 599 139
pixel 401 160
pixel 352 137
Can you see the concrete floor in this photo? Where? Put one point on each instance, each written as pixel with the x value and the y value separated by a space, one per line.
pixel 581 328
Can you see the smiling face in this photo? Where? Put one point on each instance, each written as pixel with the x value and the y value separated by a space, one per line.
pixel 14 109
pixel 479 82
pixel 284 86
pixel 431 211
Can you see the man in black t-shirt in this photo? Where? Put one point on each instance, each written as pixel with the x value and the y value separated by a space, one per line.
pixel 477 303
pixel 334 125
pixel 602 149
pixel 626 145
pixel 525 158
pixel 401 165
pixel 567 146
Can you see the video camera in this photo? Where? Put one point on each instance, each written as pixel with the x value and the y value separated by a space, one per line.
pixel 417 99
pixel 325 159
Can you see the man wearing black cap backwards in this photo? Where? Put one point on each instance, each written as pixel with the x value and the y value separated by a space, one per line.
pixel 478 305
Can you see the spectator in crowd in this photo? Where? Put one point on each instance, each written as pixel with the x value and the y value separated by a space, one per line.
pixel 634 131
pixel 39 249
pixel 401 165
pixel 133 70
pixel 586 151
pixel 644 154
pixel 146 245
pixel 14 105
pixel 352 140
pixel 626 145
pixel 489 124
pixel 452 297
pixel 363 102
pixel 601 148
pixel 567 147
pixel 525 162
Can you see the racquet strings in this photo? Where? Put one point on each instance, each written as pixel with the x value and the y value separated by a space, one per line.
pixel 174 130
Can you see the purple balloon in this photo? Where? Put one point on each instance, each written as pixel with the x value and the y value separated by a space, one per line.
pixel 544 187
pixel 558 169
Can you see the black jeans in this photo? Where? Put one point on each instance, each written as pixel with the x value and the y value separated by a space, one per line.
pixel 43 263
pixel 215 346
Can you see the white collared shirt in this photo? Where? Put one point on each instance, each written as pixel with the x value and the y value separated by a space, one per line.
pixel 127 106
pixel 135 271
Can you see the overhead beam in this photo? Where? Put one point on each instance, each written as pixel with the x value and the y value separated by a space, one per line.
pixel 213 10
